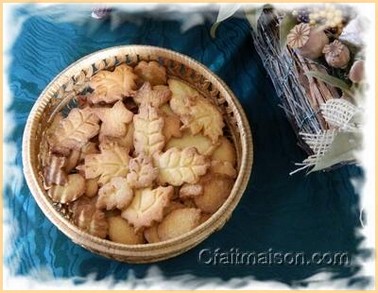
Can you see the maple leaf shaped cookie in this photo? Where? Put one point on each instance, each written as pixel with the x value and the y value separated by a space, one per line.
pixel 114 194
pixel 156 96
pixel 74 131
pixel 114 119
pixel 152 72
pixel 179 166
pixel 113 86
pixel 148 131
pixel 113 161
pixel 172 123
pixel 197 113
pixel 147 206
pixel 72 190
pixel 142 173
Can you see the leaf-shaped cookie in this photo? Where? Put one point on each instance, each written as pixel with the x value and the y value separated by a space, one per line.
pixel 113 86
pixel 113 161
pixel 74 131
pixel 179 166
pixel 148 131
pixel 152 72
pixel 156 96
pixel 224 158
pixel 147 206
pixel 114 119
pixel 123 141
pixel 196 112
pixel 172 123
pixel 114 194
pixel 72 190
pixel 88 218
pixel 142 173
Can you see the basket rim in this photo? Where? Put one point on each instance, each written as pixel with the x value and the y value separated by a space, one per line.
pixel 80 237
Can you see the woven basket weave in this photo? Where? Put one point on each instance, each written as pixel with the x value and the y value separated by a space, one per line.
pixel 60 95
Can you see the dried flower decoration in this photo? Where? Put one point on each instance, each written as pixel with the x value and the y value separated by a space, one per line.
pixel 308 41
pixel 337 54
pixel 357 71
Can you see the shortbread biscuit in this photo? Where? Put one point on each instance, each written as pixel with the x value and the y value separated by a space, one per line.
pixel 153 96
pixel 177 167
pixel 122 232
pixel 147 206
pixel 216 189
pixel 115 194
pixel 178 222
pixel 152 72
pixel 148 131
pixel 142 172
pixel 72 190
pixel 111 86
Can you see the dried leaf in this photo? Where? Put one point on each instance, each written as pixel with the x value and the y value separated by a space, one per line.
pixel 74 131
pixel 286 24
pixel 113 86
pixel 113 161
pixel 177 167
pixel 225 11
pixel 331 80
pixel 148 131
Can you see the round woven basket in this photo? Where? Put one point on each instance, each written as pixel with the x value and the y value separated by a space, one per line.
pixel 60 94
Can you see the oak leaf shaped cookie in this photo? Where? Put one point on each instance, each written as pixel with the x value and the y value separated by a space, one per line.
pixel 148 131
pixel 147 206
pixel 179 166
pixel 74 131
pixel 197 113
pixel 113 161
pixel 72 190
pixel 156 96
pixel 114 119
pixel 111 86
pixel 142 173
pixel 152 72
pixel 88 218
pixel 115 194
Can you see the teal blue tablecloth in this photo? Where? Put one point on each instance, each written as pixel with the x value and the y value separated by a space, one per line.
pixel 315 213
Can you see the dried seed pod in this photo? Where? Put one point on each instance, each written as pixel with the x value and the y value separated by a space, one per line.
pixel 308 41
pixel 337 54
pixel 357 71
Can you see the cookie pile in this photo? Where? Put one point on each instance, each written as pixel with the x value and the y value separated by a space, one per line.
pixel 141 159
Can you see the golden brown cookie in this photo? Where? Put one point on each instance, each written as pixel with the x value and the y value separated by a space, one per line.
pixel 122 232
pixel 115 194
pixel 179 166
pixel 53 171
pixel 74 131
pixel 148 131
pixel 152 72
pixel 72 190
pixel 147 206
pixel 203 144
pixel 190 190
pixel 111 86
pixel 216 189
pixel 178 222
pixel 114 119
pixel 153 96
pixel 113 161
pixel 142 172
